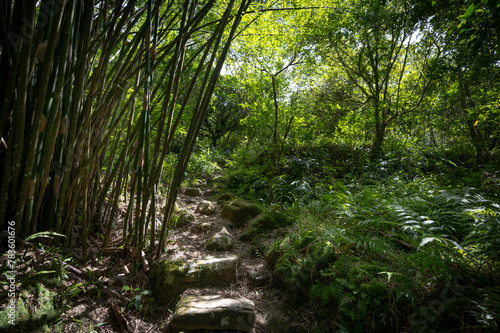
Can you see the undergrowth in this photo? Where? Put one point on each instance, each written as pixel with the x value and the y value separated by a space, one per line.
pixel 404 242
pixel 418 257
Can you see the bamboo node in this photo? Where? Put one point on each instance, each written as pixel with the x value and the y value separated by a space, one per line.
pixel 62 127
pixel 43 124
pixel 57 180
pixel 141 157
pixel 31 191
pixel 40 51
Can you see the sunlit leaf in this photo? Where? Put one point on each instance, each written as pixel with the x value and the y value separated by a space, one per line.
pixel 427 240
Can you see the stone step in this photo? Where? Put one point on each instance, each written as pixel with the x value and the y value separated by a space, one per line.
pixel 213 312
pixel 221 241
pixel 169 279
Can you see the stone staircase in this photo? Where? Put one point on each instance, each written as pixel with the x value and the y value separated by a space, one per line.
pixel 211 285
pixel 214 312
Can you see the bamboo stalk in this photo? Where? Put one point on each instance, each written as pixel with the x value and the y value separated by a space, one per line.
pixel 28 178
pixel 14 159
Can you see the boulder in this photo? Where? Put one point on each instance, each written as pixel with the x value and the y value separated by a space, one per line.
pixel 223 198
pixel 205 208
pixel 202 227
pixel 221 241
pixel 192 192
pixel 266 222
pixel 239 211
pixel 213 312
pixel 170 278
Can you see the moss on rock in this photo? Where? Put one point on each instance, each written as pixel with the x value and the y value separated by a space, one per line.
pixel 193 192
pixel 239 211
pixel 225 197
pixel 167 279
pixel 183 218
pixel 34 309
pixel 267 221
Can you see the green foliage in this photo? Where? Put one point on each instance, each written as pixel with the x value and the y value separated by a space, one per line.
pixel 43 234
pixel 225 113
pixel 269 220
pixel 371 247
pixel 137 297
pixel 202 164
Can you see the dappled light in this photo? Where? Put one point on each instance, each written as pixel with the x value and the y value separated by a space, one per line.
pixel 249 166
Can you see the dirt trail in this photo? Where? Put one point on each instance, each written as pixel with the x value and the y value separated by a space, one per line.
pixel 188 243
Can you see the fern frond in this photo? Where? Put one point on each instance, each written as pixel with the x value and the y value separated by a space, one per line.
pixel 348 298
pixel 316 290
pixel 375 246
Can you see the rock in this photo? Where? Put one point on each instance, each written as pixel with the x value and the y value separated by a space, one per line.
pixel 223 198
pixel 214 270
pixel 34 308
pixel 184 219
pixel 189 201
pixel 212 192
pixel 239 211
pixel 213 312
pixel 202 227
pixel 170 278
pixel 259 279
pixel 278 318
pixel 167 279
pixel 266 222
pixel 192 192
pixel 205 208
pixel 221 241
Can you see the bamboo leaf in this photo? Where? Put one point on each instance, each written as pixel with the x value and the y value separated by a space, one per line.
pixel 44 234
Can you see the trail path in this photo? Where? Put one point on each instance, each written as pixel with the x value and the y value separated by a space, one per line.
pixel 253 281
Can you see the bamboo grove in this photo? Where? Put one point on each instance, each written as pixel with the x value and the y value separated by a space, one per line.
pixel 92 94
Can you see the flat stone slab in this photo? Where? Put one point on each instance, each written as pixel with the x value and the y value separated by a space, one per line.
pixel 170 278
pixel 214 270
pixel 213 312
